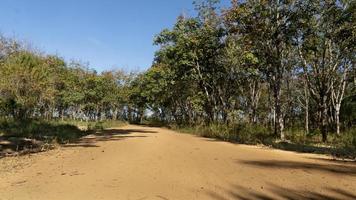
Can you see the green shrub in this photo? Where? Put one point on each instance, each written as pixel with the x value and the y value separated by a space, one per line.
pixel 41 130
pixel 347 139
pixel 241 133
pixel 298 136
pixel 112 124
pixel 97 126
pixel 94 126
pixel 154 122
pixel 339 146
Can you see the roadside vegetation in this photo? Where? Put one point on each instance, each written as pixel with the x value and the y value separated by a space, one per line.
pixel 31 136
pixel 296 140
pixel 278 73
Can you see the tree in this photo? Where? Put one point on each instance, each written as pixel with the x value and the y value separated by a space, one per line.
pixel 324 43
pixel 27 82
pixel 267 27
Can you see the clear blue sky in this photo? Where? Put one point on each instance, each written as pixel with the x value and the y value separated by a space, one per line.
pixel 106 33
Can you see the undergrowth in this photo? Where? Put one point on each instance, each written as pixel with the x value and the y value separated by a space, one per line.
pixel 296 140
pixel 53 131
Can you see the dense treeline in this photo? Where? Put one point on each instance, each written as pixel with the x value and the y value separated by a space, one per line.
pixel 279 64
pixel 272 64
pixel 38 86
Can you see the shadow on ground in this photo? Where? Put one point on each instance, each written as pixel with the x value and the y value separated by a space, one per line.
pixel 25 137
pixel 35 136
pixel 303 148
pixel 343 153
pixel 334 160
pixel 108 135
pixel 330 167
pixel 277 192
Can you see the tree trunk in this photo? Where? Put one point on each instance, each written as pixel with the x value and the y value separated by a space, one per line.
pixel 306 94
pixel 323 119
pixel 115 112
pixel 337 118
pixel 97 113
pixel 62 114
pixel 254 100
pixel 279 123
pixel 307 118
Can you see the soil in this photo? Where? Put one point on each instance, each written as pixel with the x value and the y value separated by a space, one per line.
pixel 135 162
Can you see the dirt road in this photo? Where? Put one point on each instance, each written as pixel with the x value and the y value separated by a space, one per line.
pixel 137 163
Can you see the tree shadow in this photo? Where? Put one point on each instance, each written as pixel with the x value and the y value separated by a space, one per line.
pixel 107 135
pixel 277 192
pixel 301 148
pixel 304 148
pixel 123 131
pixel 334 160
pixel 22 137
pixel 328 167
pixel 154 125
pixel 343 153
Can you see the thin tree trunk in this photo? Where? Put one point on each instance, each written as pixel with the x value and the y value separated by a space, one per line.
pixel 279 123
pixel 323 119
pixel 307 117
pixel 306 94
pixel 114 117
pixel 62 114
pixel 337 118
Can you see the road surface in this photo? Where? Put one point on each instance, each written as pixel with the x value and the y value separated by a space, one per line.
pixel 139 163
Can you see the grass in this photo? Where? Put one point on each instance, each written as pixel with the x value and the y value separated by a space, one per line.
pixel 33 135
pixel 94 126
pixel 42 130
pixel 243 134
pixel 343 146
pixel 59 131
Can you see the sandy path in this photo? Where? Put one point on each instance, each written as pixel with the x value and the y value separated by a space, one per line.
pixel 151 163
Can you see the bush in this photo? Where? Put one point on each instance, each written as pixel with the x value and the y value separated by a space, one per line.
pixel 346 140
pixel 154 122
pixel 241 133
pixel 112 124
pixel 298 136
pixel 94 126
pixel 97 126
pixel 253 134
pixel 339 146
pixel 41 130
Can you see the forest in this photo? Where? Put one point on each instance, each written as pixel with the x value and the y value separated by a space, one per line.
pixel 254 72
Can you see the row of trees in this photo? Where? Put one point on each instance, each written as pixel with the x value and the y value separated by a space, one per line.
pixel 38 86
pixel 280 63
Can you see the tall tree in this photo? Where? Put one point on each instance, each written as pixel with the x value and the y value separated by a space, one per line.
pixel 327 54
pixel 266 26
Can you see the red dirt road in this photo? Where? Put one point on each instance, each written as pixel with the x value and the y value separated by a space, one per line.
pixel 137 163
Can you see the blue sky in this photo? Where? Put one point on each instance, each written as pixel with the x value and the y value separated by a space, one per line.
pixel 106 33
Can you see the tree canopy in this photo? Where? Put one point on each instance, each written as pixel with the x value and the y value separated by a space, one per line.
pixel 278 64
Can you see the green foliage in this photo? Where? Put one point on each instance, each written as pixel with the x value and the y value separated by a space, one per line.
pixel 348 110
pixel 347 140
pixel 100 126
pixel 37 86
pixel 92 125
pixel 41 130
pixel 241 133
pixel 343 146
pixel 248 73
pixel 96 126
pixel 280 65
pixel 26 82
